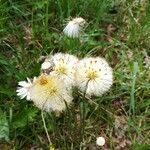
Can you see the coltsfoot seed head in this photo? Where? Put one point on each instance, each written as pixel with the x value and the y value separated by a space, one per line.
pixel 74 27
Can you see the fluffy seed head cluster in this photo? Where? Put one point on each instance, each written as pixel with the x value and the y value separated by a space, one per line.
pixel 51 91
pixel 74 27
pixel 93 76
pixel 48 93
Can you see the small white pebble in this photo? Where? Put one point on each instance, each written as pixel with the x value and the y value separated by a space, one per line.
pixel 46 65
pixel 100 141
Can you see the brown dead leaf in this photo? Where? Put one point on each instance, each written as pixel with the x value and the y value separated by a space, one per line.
pixel 5 146
pixel 122 144
pixel 110 29
pixel 120 139
pixel 147 61
pixel 120 126
pixel 129 54
pixel 27 34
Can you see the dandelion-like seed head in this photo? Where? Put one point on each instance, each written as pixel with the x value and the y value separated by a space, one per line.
pixel 64 68
pixel 74 27
pixel 48 93
pixel 93 76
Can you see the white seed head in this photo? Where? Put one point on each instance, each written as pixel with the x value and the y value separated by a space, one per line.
pixel 64 68
pixel 74 27
pixel 48 93
pixel 93 76
pixel 100 141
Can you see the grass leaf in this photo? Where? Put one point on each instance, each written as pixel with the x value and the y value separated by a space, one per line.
pixel 4 127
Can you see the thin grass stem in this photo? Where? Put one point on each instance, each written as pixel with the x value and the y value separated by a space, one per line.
pixel 44 124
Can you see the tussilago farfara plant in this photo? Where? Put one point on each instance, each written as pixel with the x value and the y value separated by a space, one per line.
pixel 52 90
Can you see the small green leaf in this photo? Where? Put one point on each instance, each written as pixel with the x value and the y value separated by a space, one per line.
pixel 23 117
pixel 51 147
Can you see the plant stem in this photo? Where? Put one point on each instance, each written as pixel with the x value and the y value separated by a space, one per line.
pixel 49 140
